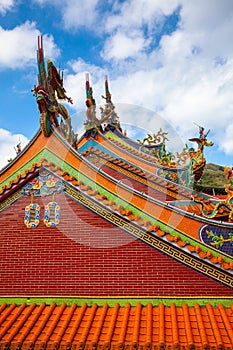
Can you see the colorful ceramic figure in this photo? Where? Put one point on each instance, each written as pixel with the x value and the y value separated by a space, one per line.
pixel 48 92
pixel 197 156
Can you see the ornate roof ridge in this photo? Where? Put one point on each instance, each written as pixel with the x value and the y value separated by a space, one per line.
pixel 171 186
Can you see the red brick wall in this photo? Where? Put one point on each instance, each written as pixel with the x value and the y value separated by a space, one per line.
pixel 86 256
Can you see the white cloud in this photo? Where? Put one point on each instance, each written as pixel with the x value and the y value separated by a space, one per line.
pixel 133 27
pixel 135 13
pixel 75 82
pixel 205 15
pixel 79 13
pixel 122 46
pixel 8 142
pixel 45 2
pixel 187 78
pixel 211 22
pixel 6 5
pixel 183 91
pixel 75 13
pixel 226 141
pixel 23 46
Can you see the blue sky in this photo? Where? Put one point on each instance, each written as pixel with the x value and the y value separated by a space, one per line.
pixel 173 58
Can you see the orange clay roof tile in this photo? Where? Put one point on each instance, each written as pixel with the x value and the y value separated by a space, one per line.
pixel 161 325
pixel 187 323
pixel 9 322
pixel 175 332
pixel 201 326
pixel 76 323
pixel 73 327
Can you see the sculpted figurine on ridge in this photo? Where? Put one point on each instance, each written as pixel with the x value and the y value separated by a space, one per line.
pixel 49 91
pixel 197 156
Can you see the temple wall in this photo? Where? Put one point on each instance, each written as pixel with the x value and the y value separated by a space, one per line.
pixel 87 256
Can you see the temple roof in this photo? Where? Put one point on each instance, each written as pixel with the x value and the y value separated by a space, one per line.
pixel 145 326
pixel 105 180
pixel 143 213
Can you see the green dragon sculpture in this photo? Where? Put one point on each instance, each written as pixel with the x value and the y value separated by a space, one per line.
pixel 48 92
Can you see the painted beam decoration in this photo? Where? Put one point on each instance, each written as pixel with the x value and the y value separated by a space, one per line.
pixel 45 184
pixel 219 238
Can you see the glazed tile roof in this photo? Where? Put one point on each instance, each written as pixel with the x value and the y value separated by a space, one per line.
pixel 78 327
pixel 134 151
pixel 151 179
pixel 172 190
pixel 184 192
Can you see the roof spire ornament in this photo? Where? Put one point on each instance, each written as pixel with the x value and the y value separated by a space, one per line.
pixel 107 113
pixel 198 161
pixel 90 102
pixel 107 96
pixel 18 147
pixel 49 91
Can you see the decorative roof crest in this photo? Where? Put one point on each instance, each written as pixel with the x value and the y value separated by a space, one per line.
pixel 48 93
